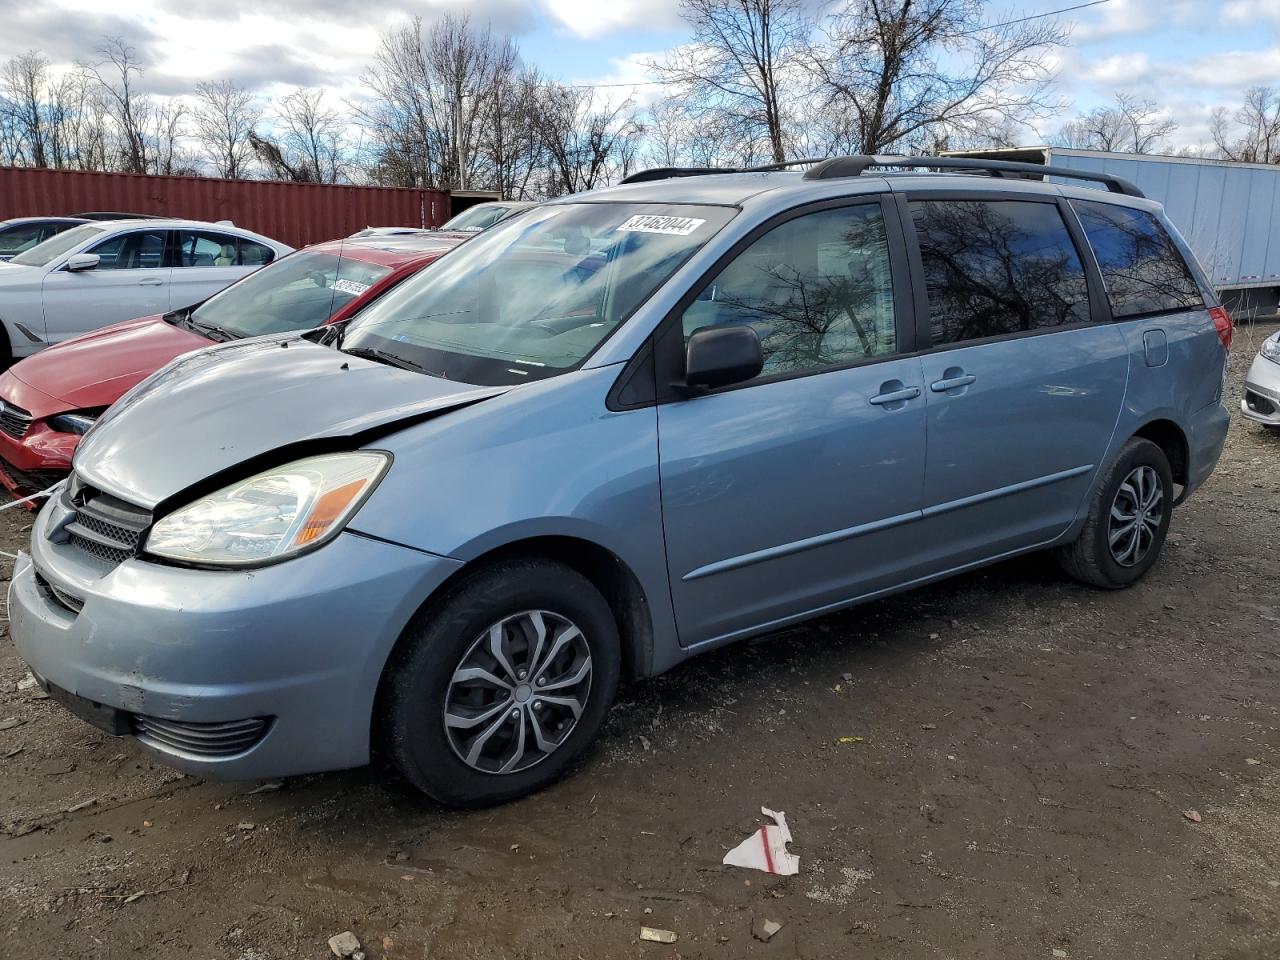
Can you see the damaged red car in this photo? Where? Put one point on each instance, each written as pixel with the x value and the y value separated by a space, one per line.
pixel 49 400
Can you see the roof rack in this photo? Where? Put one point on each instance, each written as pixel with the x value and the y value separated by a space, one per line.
pixel 667 173
pixel 854 166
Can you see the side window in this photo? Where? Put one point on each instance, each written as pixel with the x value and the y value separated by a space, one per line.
pixel 817 289
pixel 998 267
pixel 255 254
pixel 207 250
pixel 1141 268
pixel 140 250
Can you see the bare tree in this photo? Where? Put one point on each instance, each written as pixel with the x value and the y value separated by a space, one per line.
pixel 1127 125
pixel 512 148
pixel 909 68
pixel 79 123
pixel 224 117
pixel 587 140
pixel 1252 133
pixel 24 82
pixel 166 131
pixel 434 100
pixel 314 136
pixel 739 68
pixel 117 73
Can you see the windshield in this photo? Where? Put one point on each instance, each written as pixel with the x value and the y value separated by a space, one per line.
pixel 17 237
pixel 476 218
pixel 297 292
pixel 45 253
pixel 534 295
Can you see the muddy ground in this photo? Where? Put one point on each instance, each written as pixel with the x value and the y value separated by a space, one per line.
pixel 1028 750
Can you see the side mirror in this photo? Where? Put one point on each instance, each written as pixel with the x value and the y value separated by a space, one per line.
pixel 78 262
pixel 722 354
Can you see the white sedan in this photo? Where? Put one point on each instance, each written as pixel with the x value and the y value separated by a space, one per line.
pixel 105 272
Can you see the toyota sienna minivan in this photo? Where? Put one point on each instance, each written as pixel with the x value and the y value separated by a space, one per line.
pixel 619 430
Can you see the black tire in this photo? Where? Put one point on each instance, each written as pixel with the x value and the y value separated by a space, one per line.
pixel 6 349
pixel 1091 559
pixel 417 683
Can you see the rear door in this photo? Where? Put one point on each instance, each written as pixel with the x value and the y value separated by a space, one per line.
pixel 798 489
pixel 206 261
pixel 131 280
pixel 1159 307
pixel 1024 375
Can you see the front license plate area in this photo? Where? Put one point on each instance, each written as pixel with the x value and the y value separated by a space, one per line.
pixel 107 719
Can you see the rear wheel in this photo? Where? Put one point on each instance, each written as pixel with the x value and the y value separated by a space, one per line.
pixel 1129 512
pixel 501 685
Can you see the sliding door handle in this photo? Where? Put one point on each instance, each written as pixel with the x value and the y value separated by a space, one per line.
pixel 951 383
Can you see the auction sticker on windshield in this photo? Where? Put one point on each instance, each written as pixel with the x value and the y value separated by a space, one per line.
pixel 649 223
pixel 353 287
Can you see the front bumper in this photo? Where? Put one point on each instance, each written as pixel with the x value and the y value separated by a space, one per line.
pixel 1261 402
pixel 40 457
pixel 187 655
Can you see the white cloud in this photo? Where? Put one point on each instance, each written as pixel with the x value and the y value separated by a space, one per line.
pixel 594 18
pixel 1234 69
pixel 1119 18
pixel 1247 13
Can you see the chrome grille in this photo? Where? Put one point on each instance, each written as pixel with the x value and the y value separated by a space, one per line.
pixel 14 420
pixel 210 740
pixel 107 528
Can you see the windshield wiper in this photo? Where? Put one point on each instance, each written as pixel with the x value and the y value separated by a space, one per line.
pixel 382 356
pixel 213 331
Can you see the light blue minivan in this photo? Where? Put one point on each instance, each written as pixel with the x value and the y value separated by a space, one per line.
pixel 616 431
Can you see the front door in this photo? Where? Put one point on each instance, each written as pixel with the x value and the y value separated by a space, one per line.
pixel 130 280
pixel 799 489
pixel 1024 389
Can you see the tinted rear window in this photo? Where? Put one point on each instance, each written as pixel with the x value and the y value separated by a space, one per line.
pixel 1141 268
pixel 998 267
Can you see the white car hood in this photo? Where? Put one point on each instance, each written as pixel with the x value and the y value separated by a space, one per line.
pixel 13 275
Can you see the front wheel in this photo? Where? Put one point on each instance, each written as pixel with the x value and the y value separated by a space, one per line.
pixel 502 684
pixel 1129 512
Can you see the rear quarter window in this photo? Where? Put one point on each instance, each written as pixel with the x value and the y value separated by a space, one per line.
pixel 1142 270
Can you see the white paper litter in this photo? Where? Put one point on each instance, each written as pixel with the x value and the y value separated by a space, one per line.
pixel 766 849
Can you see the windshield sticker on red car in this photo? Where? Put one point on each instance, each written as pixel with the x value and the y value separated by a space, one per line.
pixel 675 226
pixel 353 287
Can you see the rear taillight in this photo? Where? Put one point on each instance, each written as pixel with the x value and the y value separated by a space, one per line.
pixel 1222 323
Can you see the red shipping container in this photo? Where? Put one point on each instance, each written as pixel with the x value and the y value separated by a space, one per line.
pixel 295 213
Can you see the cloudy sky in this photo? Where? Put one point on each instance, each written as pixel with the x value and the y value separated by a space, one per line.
pixel 1188 55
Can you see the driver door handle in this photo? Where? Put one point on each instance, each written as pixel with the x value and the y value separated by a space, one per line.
pixel 895 396
pixel 150 282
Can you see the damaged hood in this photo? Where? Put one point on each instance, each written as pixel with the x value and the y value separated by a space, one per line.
pixel 217 408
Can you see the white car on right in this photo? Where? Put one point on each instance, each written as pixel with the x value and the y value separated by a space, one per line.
pixel 104 272
pixel 1261 401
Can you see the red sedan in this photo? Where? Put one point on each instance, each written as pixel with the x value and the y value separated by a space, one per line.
pixel 49 400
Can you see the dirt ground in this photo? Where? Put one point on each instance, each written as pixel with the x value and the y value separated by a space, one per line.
pixel 1026 754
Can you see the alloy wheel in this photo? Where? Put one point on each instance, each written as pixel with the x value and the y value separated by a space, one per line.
pixel 1136 514
pixel 518 692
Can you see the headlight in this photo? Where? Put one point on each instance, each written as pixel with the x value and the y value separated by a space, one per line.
pixel 274 515
pixel 1271 348
pixel 78 423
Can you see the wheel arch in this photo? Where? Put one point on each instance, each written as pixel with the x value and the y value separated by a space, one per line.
pixel 1172 439
pixel 608 573
pixel 615 580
